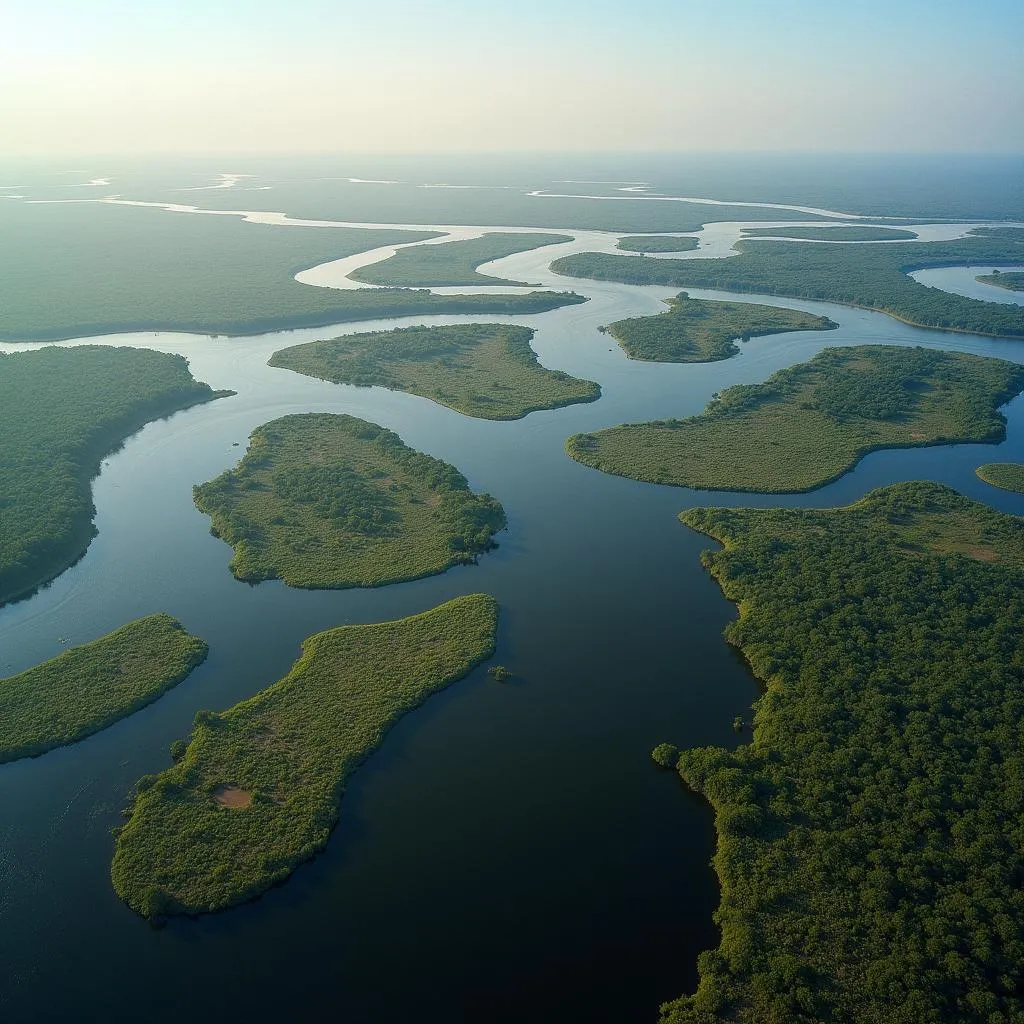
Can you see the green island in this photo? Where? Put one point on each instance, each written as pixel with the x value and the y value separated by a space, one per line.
pixel 321 500
pixel 124 268
pixel 1007 475
pixel 704 330
pixel 657 243
pixel 452 263
pixel 1010 279
pixel 871 276
pixel 61 411
pixel 810 423
pixel 871 833
pixel 484 370
pixel 87 688
pixel 840 233
pixel 257 789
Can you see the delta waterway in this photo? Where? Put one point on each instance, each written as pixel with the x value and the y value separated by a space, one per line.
pixel 510 853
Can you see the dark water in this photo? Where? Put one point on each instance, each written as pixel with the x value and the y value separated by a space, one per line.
pixel 510 854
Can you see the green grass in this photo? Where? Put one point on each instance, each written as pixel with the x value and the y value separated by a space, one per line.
pixel 810 423
pixel 872 276
pixel 333 501
pixel 90 687
pixel 871 834
pixel 1007 475
pixel 844 233
pixel 656 243
pixel 451 263
pixel 283 757
pixel 484 370
pixel 80 269
pixel 1009 279
pixel 61 411
pixel 702 330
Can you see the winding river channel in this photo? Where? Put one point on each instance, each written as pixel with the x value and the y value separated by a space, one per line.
pixel 510 854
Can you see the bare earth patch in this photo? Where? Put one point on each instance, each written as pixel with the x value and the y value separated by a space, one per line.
pixel 232 796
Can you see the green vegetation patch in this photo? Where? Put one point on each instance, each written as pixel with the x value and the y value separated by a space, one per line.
pixel 484 370
pixel 657 243
pixel 1009 279
pixel 842 233
pixel 257 790
pixel 871 835
pixel 333 501
pixel 810 423
pixel 702 330
pixel 90 687
pixel 452 263
pixel 1007 475
pixel 61 411
pixel 872 276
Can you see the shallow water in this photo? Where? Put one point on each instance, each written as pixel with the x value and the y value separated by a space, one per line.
pixel 510 854
pixel 962 281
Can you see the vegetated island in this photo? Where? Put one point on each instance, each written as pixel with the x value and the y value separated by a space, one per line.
pixel 840 233
pixel 321 500
pixel 126 268
pixel 704 330
pixel 87 688
pixel 871 834
pixel 657 243
pixel 810 423
pixel 484 370
pixel 1010 279
pixel 872 276
pixel 256 791
pixel 452 263
pixel 61 411
pixel 1007 475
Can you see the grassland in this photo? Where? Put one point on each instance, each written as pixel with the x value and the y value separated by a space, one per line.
pixel 61 411
pixel 484 370
pixel 870 835
pixel 80 269
pixel 872 276
pixel 656 243
pixel 258 788
pixel 1009 279
pixel 452 263
pixel 90 687
pixel 841 233
pixel 333 501
pixel 810 423
pixel 1007 475
pixel 702 330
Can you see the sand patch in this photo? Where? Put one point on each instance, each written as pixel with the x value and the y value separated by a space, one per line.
pixel 232 796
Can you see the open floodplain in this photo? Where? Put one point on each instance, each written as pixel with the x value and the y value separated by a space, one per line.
pixel 510 853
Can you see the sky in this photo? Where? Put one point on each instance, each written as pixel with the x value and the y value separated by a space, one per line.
pixel 395 76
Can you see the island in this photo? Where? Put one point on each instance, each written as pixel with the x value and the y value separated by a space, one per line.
pixel 810 423
pixel 871 276
pixel 1010 279
pixel 838 233
pixel 703 330
pixel 327 501
pixel 485 370
pixel 1009 476
pixel 871 833
pixel 449 264
pixel 87 688
pixel 62 410
pixel 257 789
pixel 657 243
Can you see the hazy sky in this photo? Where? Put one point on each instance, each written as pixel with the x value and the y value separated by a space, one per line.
pixel 116 76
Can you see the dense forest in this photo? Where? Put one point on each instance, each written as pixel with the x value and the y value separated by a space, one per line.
pixel 321 500
pixel 871 834
pixel 829 233
pixel 1007 475
pixel 256 791
pixel 657 243
pixel 702 330
pixel 484 370
pixel 1009 279
pixel 61 411
pixel 873 276
pixel 810 423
